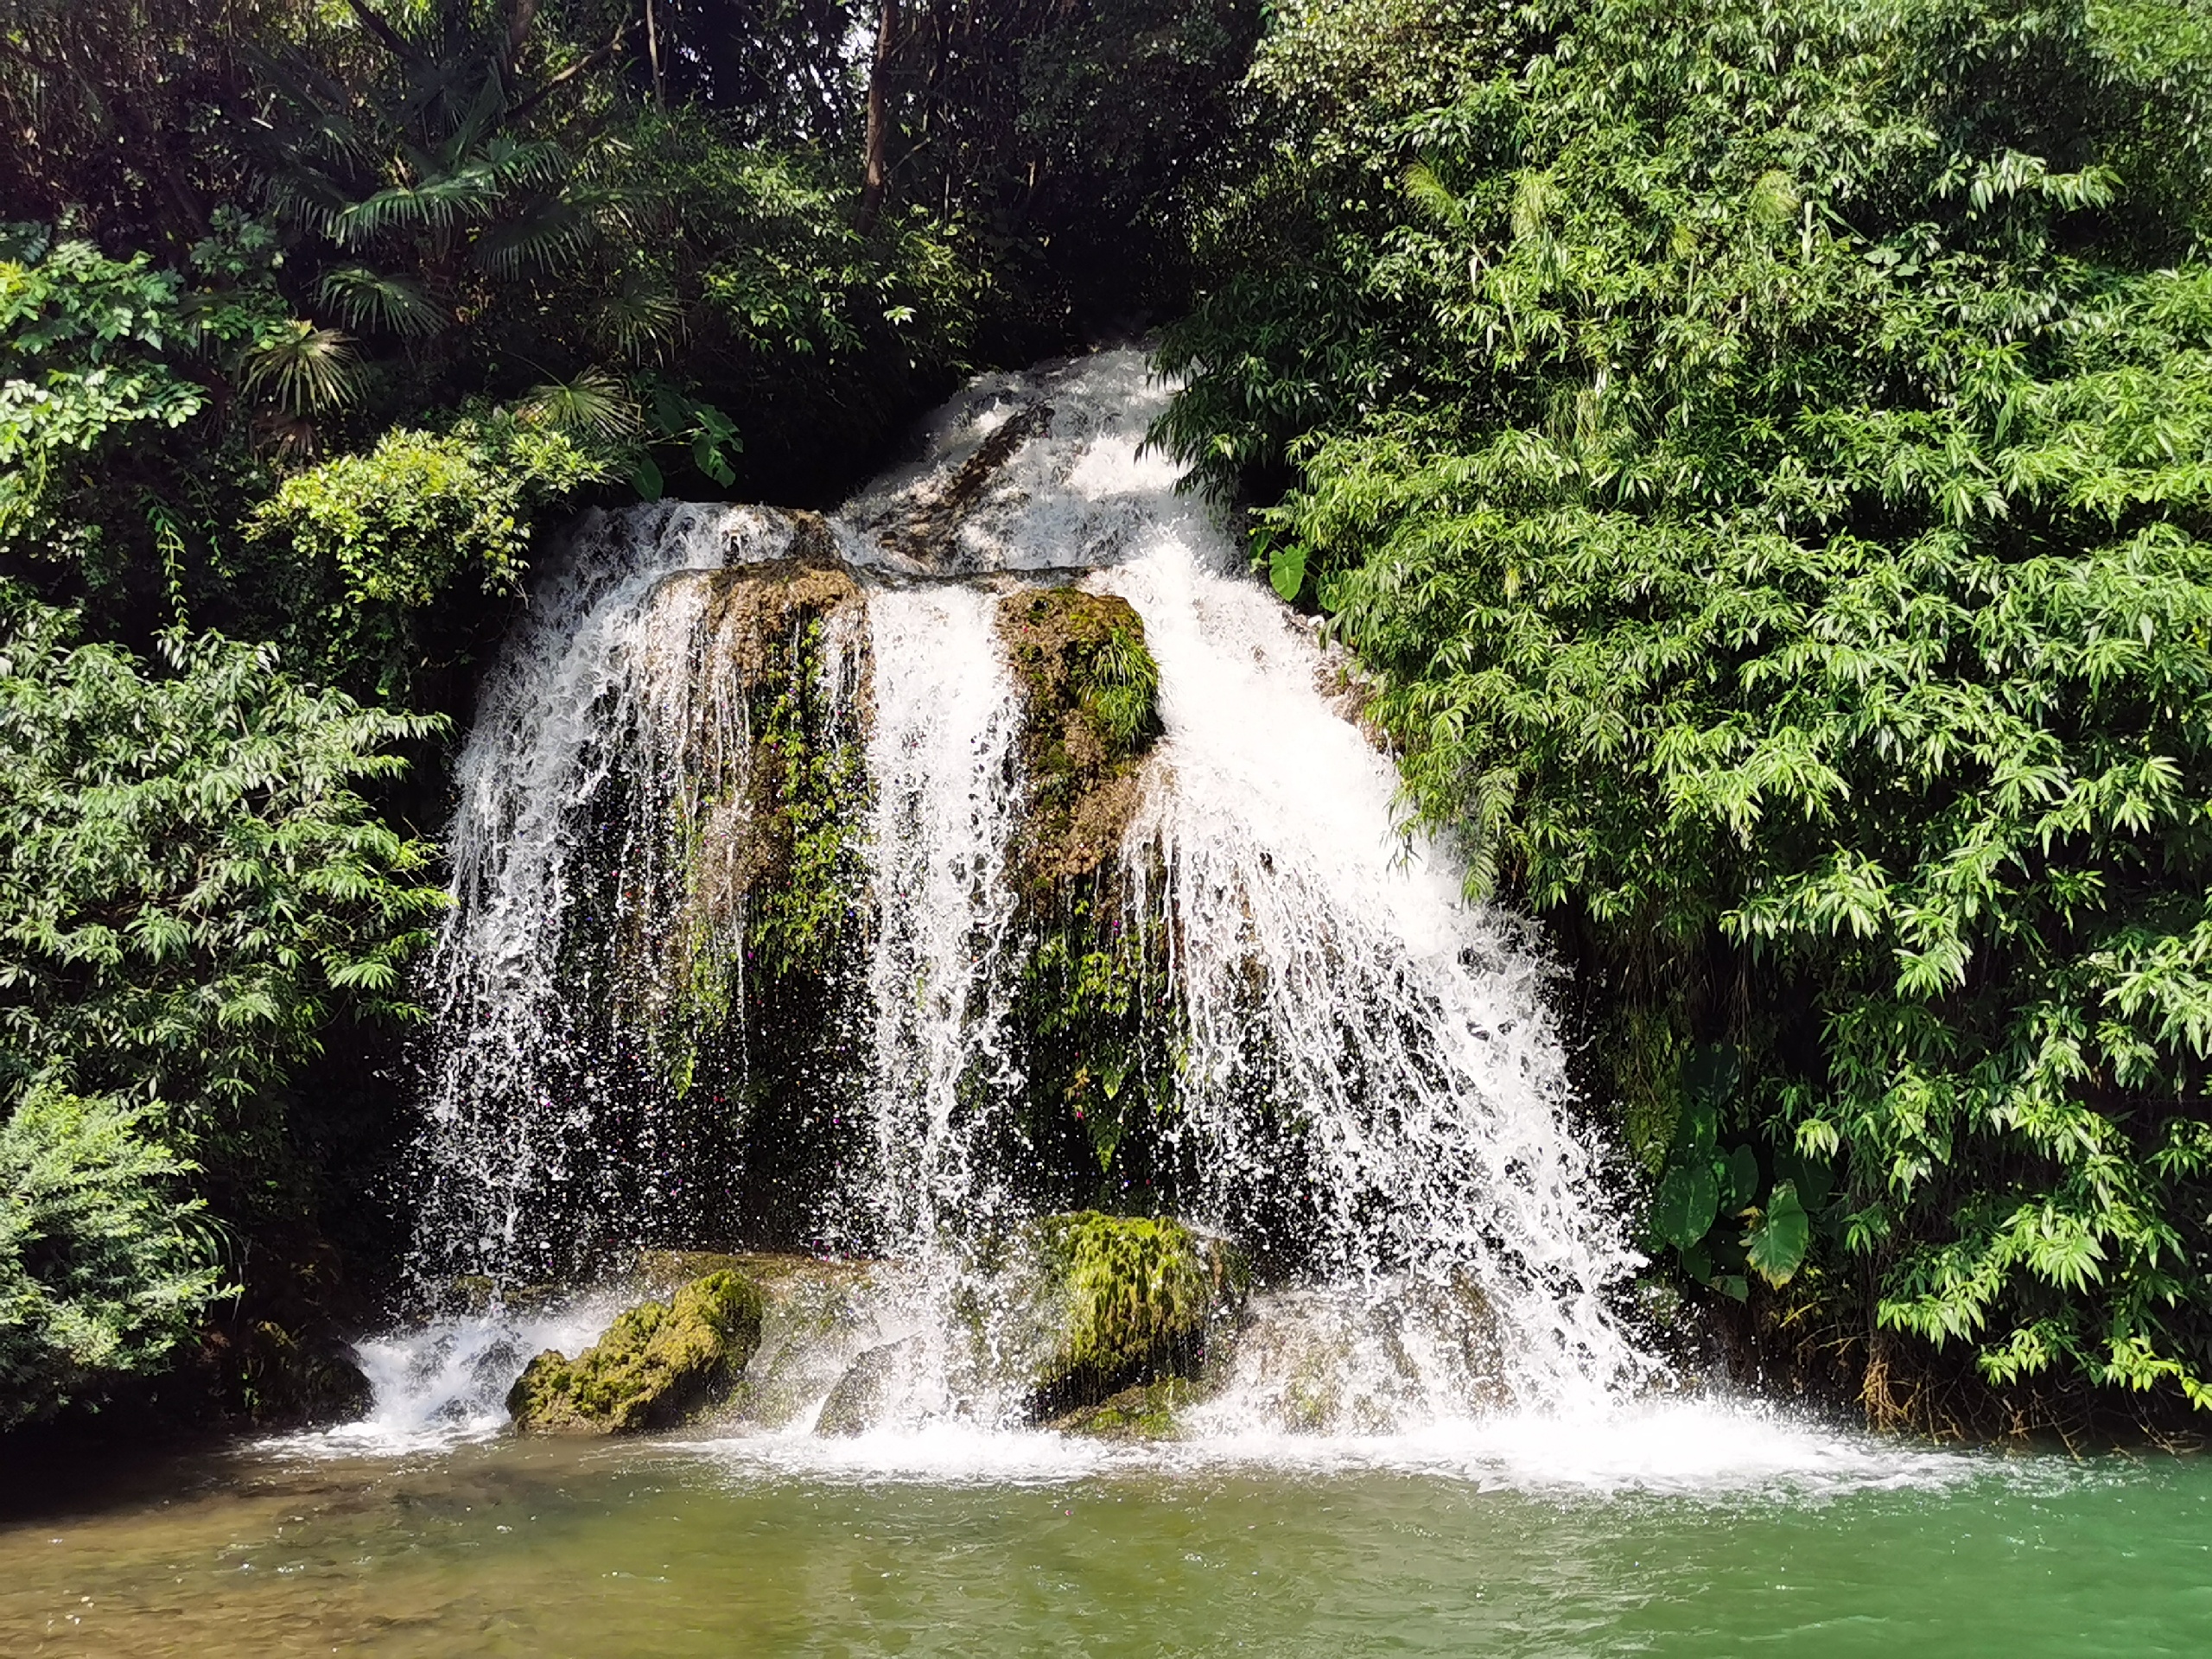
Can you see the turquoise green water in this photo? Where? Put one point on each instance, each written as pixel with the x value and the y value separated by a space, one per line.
pixel 560 1549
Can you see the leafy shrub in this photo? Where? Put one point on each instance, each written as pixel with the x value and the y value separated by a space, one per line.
pixel 82 365
pixel 190 877
pixel 404 525
pixel 191 886
pixel 102 1271
pixel 422 511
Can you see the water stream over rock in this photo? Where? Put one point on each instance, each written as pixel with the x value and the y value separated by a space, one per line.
pixel 869 886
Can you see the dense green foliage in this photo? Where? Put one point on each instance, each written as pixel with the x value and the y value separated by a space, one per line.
pixel 1763 454
pixel 1765 451
pixel 102 1271
pixel 191 885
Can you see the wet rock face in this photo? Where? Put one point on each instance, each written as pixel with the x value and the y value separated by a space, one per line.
pixel 1143 1411
pixel 657 1364
pixel 922 522
pixel 857 1403
pixel 1114 1301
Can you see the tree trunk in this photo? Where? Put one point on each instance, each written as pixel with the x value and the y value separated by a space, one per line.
pixel 652 50
pixel 877 175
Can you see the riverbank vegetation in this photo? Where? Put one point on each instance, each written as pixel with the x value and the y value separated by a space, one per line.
pixel 1761 453
pixel 1765 452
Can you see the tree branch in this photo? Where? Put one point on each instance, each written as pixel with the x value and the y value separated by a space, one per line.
pixel 580 66
pixel 394 42
pixel 877 172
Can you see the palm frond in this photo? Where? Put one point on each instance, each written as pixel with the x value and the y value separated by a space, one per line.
pixel 369 299
pixel 302 369
pixel 595 408
pixel 638 318
pixel 436 204
pixel 534 238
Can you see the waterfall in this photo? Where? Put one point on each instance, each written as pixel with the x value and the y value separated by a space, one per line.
pixel 946 800
pixel 1350 1071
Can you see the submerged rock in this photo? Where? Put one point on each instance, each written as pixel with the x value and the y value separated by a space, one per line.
pixel 1144 1411
pixel 1119 1299
pixel 657 1362
pixel 857 1403
pixel 1371 1358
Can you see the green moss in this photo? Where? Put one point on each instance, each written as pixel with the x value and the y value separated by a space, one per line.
pixel 1096 1002
pixel 813 784
pixel 1098 1010
pixel 1127 1297
pixel 769 847
pixel 1089 695
pixel 657 1362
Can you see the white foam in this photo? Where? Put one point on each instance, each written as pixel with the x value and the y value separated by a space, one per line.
pixel 1700 1450
pixel 444 1381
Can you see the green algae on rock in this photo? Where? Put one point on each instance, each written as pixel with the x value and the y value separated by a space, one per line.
pixel 657 1364
pixel 1121 1300
pixel 1095 995
pixel 818 1316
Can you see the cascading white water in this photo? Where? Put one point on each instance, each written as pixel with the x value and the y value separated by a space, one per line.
pixel 1390 1074
pixel 592 712
pixel 946 806
pixel 1369 1076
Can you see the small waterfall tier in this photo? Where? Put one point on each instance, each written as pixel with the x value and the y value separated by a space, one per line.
pixel 869 886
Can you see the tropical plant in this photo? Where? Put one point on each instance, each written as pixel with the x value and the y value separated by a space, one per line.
pixel 193 889
pixel 369 542
pixel 192 883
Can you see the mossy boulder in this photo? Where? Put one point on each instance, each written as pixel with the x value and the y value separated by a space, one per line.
pixel 1117 1300
pixel 818 1317
pixel 1089 691
pixel 657 1362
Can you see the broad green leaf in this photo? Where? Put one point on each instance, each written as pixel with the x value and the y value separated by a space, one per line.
pixel 647 476
pixel 1286 569
pixel 1695 1130
pixel 1776 1245
pixel 1697 1263
pixel 1687 1199
pixel 1812 1177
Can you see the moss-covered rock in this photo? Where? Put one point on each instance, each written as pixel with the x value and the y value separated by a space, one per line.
pixel 1090 711
pixel 657 1362
pixel 1096 1008
pixel 817 1318
pixel 1119 1299
pixel 1144 1411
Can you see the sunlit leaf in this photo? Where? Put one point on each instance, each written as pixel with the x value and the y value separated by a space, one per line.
pixel 1775 1245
